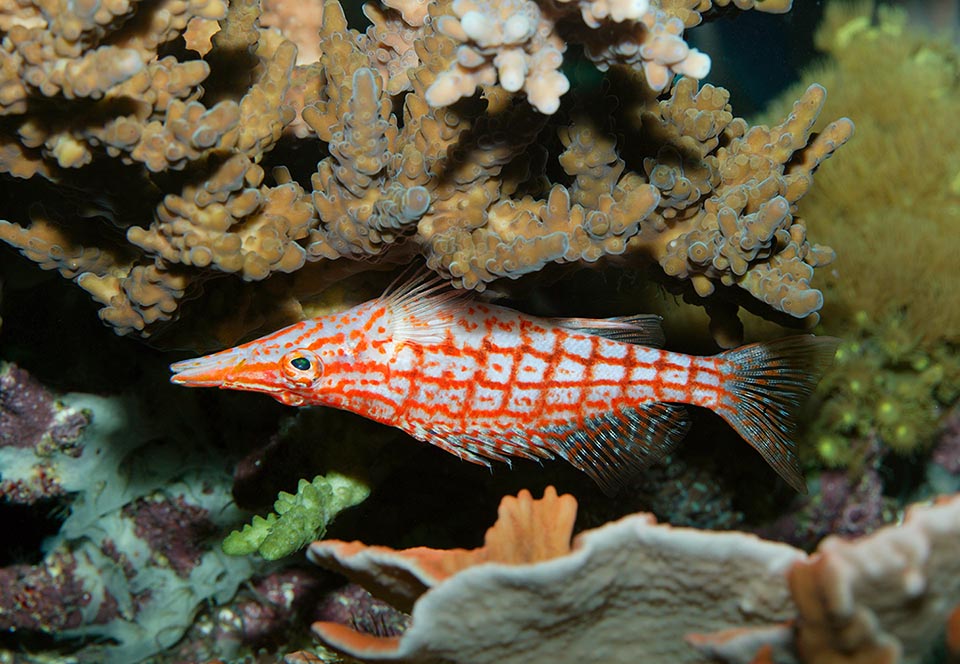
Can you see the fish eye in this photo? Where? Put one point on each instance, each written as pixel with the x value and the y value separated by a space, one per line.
pixel 301 367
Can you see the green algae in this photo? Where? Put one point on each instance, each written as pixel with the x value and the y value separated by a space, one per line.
pixel 299 518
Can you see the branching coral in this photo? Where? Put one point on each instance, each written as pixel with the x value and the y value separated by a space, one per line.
pixel 181 139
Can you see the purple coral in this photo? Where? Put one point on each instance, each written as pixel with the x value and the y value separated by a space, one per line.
pixel 844 505
pixel 946 453
pixel 32 419
pixel 47 598
pixel 173 529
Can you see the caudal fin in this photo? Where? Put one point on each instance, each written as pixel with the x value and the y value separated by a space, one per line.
pixel 767 384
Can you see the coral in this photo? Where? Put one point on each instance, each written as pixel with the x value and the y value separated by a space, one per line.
pixel 529 594
pixel 884 597
pixel 49 597
pixel 299 519
pixel 757 178
pixel 35 428
pixel 906 247
pixel 143 111
pixel 203 147
pixel 889 293
pixel 848 502
pixel 356 608
pixel 133 559
pixel 596 598
pixel 263 616
pixel 517 44
pixel 886 384
pixel 947 452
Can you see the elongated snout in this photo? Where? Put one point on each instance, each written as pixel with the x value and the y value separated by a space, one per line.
pixel 229 370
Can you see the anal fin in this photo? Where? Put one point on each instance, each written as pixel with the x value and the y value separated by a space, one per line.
pixel 613 447
pixel 481 447
pixel 610 447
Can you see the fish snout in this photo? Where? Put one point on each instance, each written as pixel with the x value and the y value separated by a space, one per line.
pixel 229 370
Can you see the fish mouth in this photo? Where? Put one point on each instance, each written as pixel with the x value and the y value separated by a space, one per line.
pixel 227 370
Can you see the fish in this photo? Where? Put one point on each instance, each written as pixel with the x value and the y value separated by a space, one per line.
pixel 488 383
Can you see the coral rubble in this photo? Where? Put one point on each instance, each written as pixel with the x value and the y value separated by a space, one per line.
pixel 165 141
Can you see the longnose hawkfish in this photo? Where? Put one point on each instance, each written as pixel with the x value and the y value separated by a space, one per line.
pixel 489 383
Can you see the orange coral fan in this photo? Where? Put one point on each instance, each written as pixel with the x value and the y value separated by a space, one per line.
pixel 530 594
pixel 526 531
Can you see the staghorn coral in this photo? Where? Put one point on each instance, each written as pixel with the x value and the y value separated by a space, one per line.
pixel 745 234
pixel 182 140
pixel 134 108
pixel 518 44
pixel 529 594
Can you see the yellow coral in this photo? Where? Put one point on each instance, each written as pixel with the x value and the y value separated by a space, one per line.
pixel 889 210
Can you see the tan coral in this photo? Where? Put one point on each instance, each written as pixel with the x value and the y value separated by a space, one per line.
pixel 745 235
pixel 465 186
pixel 299 21
pixel 145 295
pixel 532 595
pixel 511 42
pixel 389 43
pixel 414 12
pixel 231 223
pixel 884 597
pixel 516 44
pixel 53 246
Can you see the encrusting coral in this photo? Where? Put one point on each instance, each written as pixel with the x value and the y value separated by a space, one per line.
pixel 637 589
pixel 133 559
pixel 202 163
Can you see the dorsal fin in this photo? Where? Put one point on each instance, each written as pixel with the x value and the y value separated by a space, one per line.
pixel 641 329
pixel 422 307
